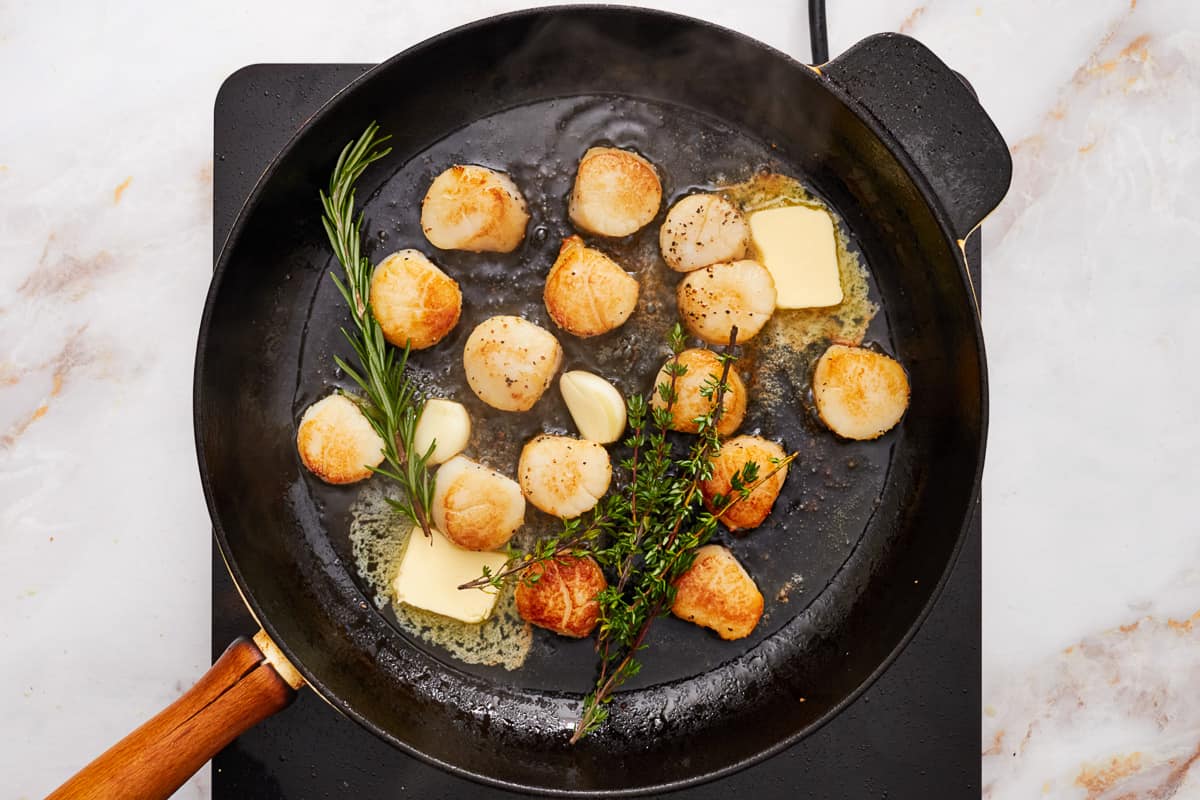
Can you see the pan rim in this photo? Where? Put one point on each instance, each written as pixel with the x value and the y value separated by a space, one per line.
pixel 330 107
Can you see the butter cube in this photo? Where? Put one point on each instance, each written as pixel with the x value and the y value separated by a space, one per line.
pixel 796 244
pixel 432 570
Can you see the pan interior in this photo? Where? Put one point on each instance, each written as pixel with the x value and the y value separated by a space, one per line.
pixel 705 104
pixel 832 489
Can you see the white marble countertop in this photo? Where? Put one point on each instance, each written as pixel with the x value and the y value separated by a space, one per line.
pixel 1091 559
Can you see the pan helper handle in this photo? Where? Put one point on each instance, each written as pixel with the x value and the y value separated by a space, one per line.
pixel 935 118
pixel 249 682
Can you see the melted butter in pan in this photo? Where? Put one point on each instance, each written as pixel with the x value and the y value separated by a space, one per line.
pixel 783 354
pixel 378 535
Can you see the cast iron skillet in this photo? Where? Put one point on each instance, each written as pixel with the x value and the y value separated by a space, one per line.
pixel 886 133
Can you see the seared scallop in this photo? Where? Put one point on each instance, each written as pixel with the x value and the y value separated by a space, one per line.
pixel 415 302
pixel 336 442
pixel 716 592
pixel 714 299
pixel 561 595
pixel 509 362
pixel 616 192
pixel 703 229
pixel 860 394
pixel 563 476
pixel 474 208
pixel 702 367
pixel 731 459
pixel 476 507
pixel 587 293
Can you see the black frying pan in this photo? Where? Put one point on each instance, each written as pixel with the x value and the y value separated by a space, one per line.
pixel 886 134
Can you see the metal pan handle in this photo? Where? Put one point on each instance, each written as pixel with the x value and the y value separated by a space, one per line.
pixel 935 117
pixel 248 683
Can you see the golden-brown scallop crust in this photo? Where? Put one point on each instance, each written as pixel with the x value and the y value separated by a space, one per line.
pixel 563 476
pixel 716 592
pixel 476 507
pixel 747 512
pixel 414 302
pixel 336 442
pixel 701 364
pixel 474 208
pixel 859 393
pixel 616 192
pixel 587 293
pixel 714 299
pixel 563 598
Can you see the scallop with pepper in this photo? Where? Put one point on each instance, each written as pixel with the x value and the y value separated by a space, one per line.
pixel 510 361
pixel 563 476
pixel 703 229
pixel 714 299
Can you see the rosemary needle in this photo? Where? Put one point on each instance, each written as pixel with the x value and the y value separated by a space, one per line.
pixel 391 403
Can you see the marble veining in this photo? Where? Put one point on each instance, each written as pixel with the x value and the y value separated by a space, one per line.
pixel 1091 590
pixel 1114 715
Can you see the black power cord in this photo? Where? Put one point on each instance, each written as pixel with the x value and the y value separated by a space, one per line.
pixel 817 32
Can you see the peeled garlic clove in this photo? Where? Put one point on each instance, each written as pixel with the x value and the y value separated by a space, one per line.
pixel 446 423
pixel 595 404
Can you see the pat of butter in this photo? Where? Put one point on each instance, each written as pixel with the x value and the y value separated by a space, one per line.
pixel 432 570
pixel 796 245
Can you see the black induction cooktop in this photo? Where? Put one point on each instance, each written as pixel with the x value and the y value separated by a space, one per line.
pixel 913 734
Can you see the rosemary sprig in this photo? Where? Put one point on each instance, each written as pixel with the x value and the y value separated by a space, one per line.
pixel 391 403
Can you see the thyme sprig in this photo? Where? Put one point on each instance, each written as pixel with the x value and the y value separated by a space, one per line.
pixel 647 533
pixel 653 552
pixel 391 403
pixel 575 539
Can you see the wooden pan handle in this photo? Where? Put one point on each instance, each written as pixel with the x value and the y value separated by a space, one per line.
pixel 243 688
